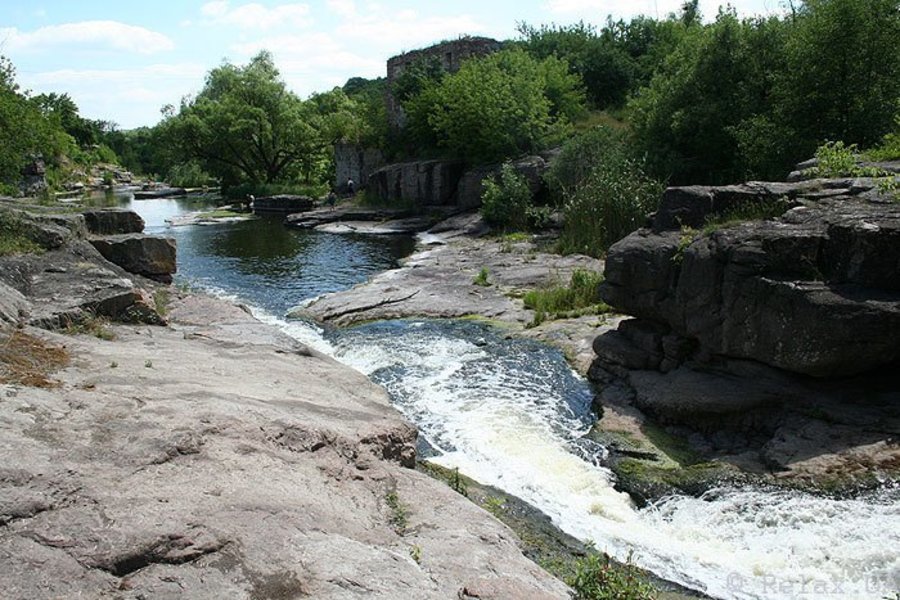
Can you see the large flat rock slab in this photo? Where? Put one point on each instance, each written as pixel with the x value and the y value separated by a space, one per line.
pixel 196 461
pixel 439 281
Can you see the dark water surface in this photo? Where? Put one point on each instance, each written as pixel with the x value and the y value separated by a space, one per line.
pixel 265 263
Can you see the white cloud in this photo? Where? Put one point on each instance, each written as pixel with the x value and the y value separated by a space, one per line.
pixel 343 8
pixel 313 62
pixel 134 96
pixel 88 34
pixel 406 30
pixel 256 16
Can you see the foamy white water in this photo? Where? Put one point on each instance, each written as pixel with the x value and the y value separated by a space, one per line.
pixel 503 419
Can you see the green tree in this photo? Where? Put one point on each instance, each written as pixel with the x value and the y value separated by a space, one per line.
pixel 63 111
pixel 499 106
pixel 605 68
pixel 245 125
pixel 843 75
pixel 699 118
pixel 24 131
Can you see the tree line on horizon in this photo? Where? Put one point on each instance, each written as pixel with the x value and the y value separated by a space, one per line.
pixel 685 101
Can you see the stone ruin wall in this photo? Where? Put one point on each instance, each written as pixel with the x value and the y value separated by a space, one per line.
pixel 451 54
pixel 357 163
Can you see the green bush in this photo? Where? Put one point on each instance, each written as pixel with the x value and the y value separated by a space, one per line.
pixel 604 193
pixel 506 201
pixel 597 578
pixel 836 159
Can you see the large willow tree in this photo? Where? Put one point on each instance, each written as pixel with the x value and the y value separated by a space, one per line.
pixel 246 126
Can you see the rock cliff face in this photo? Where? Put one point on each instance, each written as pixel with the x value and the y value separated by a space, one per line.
pixel 355 162
pixel 769 343
pixel 422 183
pixel 815 292
pixel 445 183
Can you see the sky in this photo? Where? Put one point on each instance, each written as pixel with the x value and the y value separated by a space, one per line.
pixel 123 61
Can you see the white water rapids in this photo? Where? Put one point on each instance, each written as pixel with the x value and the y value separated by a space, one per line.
pixel 509 414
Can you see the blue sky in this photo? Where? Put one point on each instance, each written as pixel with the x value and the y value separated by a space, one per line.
pixel 122 61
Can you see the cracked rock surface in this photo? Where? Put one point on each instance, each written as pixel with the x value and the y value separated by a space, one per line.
pixel 217 458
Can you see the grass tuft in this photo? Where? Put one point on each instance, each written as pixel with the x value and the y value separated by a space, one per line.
pixel 91 324
pixel 28 360
pixel 14 238
pixel 482 278
pixel 399 516
pixel 580 297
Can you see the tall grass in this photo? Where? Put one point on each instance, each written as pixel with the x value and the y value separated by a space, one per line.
pixel 579 297
pixel 603 190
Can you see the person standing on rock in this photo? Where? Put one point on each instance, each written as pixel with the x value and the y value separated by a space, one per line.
pixel 351 188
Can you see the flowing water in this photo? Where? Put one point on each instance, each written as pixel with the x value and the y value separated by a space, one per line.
pixel 511 413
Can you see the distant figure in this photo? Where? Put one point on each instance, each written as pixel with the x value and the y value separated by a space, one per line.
pixel 331 199
pixel 250 199
pixel 351 188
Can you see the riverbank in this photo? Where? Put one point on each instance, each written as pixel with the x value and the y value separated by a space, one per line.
pixel 193 451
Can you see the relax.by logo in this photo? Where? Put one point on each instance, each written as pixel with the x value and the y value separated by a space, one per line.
pixel 770 585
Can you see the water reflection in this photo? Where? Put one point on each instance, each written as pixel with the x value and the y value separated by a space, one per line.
pixel 265 263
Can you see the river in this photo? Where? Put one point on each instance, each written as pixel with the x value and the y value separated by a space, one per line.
pixel 511 413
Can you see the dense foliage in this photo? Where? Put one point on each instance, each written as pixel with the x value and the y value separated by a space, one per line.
pixel 603 191
pixel 26 131
pixel 496 107
pixel 506 201
pixel 700 101
pixel 748 98
pixel 245 125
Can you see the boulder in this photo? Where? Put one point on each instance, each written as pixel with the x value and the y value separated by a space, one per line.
pixel 13 305
pixel 422 183
pixel 113 221
pixel 69 285
pixel 152 257
pixel 815 292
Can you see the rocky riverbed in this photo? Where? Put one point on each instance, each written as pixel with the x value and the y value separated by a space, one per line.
pixel 685 406
pixel 211 457
pixel 460 272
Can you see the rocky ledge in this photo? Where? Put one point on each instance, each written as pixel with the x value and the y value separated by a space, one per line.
pixel 768 344
pixel 216 458
pixel 212 457
pixel 442 281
